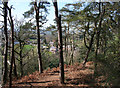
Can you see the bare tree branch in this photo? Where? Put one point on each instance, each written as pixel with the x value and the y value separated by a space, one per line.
pixel 1 15
pixel 26 54
pixel 17 52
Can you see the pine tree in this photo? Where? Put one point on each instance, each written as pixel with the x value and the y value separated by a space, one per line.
pixel 60 44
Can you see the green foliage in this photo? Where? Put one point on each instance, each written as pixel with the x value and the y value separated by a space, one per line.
pixel 27 47
pixel 29 13
pixel 50 60
pixel 79 15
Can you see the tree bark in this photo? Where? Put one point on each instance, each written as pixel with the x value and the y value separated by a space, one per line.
pixel 21 62
pixel 60 44
pixel 68 39
pixel 119 30
pixel 15 70
pixel 61 63
pixel 65 45
pixel 12 49
pixel 38 36
pixel 6 44
pixel 72 50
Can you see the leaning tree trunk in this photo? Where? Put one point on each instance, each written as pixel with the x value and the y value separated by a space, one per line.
pixel 12 49
pixel 38 35
pixel 88 47
pixel 60 44
pixel 6 44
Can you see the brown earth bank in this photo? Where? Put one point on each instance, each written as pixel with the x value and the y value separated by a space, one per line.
pixel 76 76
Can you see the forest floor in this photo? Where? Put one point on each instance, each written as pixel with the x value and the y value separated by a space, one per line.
pixel 75 77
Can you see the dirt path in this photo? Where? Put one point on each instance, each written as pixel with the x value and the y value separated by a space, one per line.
pixel 75 76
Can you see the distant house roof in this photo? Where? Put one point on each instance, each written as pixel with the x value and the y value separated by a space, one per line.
pixel 51 43
pixel 45 47
pixel 53 49
pixel 16 43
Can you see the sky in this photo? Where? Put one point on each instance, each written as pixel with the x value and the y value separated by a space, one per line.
pixel 22 6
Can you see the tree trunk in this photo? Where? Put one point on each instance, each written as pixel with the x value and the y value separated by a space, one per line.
pixel 21 64
pixel 12 45
pixel 119 30
pixel 6 44
pixel 101 14
pixel 60 44
pixel 65 45
pixel 68 40
pixel 89 48
pixel 61 63
pixel 38 35
pixel 72 50
pixel 15 70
